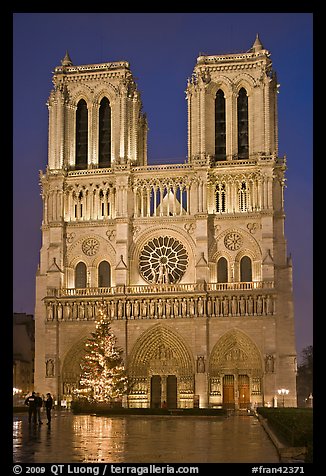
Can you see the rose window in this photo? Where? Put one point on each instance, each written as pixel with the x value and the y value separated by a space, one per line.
pixel 90 246
pixel 233 241
pixel 163 260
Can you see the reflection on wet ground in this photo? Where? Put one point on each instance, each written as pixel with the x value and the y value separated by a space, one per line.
pixel 138 439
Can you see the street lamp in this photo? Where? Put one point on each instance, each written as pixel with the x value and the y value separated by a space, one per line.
pixel 283 391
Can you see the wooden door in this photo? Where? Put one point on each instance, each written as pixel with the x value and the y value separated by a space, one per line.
pixel 156 391
pixel 244 391
pixel 228 391
pixel 171 391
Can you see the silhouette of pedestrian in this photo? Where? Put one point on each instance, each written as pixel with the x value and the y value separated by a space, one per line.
pixel 39 404
pixel 31 402
pixel 48 407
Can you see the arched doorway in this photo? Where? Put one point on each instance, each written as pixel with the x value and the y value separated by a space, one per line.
pixel 235 371
pixel 161 369
pixel 70 373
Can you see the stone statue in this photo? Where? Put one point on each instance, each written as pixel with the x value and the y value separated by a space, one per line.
pixel 200 364
pixel 120 309
pixel 49 368
pixel 200 306
pixel 128 309
pixel 176 307
pixel 269 363
pixel 168 308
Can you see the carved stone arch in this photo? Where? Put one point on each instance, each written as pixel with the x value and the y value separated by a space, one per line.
pixel 70 370
pixel 214 255
pixel 220 254
pixel 247 239
pixel 222 83
pixel 245 252
pixel 235 352
pixel 104 257
pixel 77 259
pixel 156 231
pixel 105 90
pixel 244 245
pixel 82 92
pixel 75 252
pixel 160 350
pixel 246 81
pixel 256 263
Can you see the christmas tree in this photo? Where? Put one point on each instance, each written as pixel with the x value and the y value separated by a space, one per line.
pixel 103 376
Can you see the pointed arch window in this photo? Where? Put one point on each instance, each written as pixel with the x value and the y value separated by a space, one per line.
pixel 220 126
pixel 220 198
pixel 104 153
pixel 104 275
pixel 222 270
pixel 80 275
pixel 245 269
pixel 243 136
pixel 243 197
pixel 81 135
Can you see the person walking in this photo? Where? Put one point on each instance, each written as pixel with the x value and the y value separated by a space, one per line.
pixel 39 404
pixel 31 403
pixel 48 407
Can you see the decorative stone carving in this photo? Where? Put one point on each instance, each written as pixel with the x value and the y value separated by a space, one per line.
pixel 90 246
pixel 200 364
pixel 233 241
pixel 252 227
pixel 49 368
pixel 269 363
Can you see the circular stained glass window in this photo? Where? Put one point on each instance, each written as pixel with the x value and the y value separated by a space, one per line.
pixel 163 260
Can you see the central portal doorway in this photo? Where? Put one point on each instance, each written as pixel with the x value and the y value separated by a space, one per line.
pixel 163 388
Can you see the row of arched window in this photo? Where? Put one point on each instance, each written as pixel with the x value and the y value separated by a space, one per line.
pixel 104 137
pixel 104 272
pixel 221 203
pixel 103 275
pixel 245 270
pixel 242 125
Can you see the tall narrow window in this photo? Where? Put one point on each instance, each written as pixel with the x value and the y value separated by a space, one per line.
pixel 243 137
pixel 104 153
pixel 80 275
pixel 81 135
pixel 245 270
pixel 104 275
pixel 220 198
pixel 222 270
pixel 220 126
pixel 243 197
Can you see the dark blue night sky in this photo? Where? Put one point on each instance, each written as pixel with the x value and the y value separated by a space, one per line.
pixel 162 49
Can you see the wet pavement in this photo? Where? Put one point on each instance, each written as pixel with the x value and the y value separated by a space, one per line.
pixel 141 439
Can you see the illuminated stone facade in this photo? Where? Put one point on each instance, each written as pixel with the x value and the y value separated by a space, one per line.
pixel 190 259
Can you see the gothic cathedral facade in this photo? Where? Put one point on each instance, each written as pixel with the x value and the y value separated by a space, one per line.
pixel 189 260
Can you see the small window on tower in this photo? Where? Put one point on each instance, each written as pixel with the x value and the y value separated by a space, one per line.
pixel 220 198
pixel 243 197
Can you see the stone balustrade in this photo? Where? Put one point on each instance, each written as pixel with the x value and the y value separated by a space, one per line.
pixel 80 307
pixel 158 288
